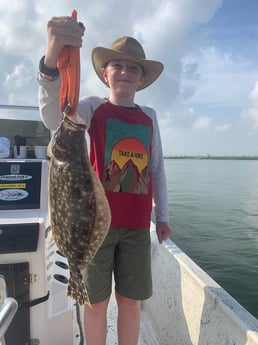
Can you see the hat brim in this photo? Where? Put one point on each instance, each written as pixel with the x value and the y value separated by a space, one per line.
pixel 101 56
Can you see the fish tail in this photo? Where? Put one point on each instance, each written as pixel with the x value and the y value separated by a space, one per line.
pixel 77 290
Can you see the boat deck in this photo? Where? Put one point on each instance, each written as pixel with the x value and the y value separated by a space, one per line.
pixel 147 335
pixel 187 306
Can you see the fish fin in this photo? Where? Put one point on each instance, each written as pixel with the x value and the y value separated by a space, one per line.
pixel 77 290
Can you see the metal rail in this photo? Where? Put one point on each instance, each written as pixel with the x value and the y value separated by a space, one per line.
pixel 7 312
pixel 19 107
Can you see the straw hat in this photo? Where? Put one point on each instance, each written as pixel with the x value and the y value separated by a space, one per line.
pixel 126 48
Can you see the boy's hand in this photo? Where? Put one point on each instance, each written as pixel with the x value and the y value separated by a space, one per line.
pixel 61 31
pixel 163 231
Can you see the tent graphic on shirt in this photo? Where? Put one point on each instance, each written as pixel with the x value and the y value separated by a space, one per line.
pixel 128 169
pixel 130 149
pixel 126 166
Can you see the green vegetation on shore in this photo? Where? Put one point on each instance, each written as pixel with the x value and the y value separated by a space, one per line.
pixel 213 157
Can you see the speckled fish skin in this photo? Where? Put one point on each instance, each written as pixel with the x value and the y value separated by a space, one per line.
pixel 79 210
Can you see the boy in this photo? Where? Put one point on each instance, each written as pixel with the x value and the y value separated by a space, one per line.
pixel 127 156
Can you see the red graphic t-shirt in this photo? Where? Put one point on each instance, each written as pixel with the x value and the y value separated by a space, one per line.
pixel 120 141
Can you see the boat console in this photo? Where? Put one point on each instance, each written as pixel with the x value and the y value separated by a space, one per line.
pixel 32 270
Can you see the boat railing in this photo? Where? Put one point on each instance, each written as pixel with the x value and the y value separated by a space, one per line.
pixel 7 313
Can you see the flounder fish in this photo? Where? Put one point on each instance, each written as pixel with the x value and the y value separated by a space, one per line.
pixel 79 210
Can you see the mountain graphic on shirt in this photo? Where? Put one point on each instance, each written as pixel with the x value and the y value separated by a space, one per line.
pixel 127 180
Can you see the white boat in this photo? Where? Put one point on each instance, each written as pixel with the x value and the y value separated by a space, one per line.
pixel 187 307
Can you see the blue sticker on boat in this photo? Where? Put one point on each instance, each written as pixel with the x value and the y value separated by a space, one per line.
pixel 15 177
pixel 13 194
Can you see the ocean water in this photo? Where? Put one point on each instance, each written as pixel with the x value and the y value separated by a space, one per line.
pixel 213 208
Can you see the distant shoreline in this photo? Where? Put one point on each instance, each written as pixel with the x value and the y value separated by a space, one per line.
pixel 214 157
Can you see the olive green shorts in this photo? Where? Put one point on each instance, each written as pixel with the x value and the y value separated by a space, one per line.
pixel 126 252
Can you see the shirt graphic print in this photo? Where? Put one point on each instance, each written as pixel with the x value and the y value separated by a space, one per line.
pixel 127 158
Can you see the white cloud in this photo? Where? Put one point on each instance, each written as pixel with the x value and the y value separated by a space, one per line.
pixel 19 77
pixel 202 123
pixel 222 128
pixel 19 26
pixel 201 92
pixel 20 84
pixel 166 34
pixel 252 112
pixel 223 78
pixel 254 95
pixel 163 27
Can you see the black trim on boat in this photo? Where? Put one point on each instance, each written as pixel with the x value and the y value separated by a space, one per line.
pixel 34 302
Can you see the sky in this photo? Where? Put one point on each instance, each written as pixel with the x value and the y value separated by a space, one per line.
pixel 206 99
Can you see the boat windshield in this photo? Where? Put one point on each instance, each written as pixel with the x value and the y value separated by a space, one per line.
pixel 23 122
pixel 19 112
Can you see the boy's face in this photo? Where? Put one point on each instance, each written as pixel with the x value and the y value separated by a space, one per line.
pixel 123 76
